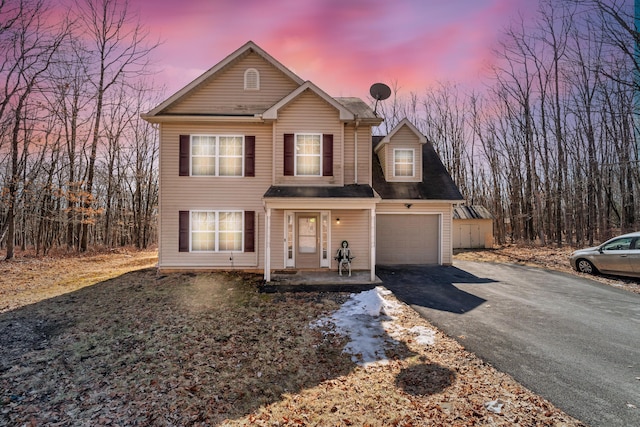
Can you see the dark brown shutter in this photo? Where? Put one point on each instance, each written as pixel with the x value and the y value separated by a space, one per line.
pixel 327 155
pixel 289 154
pixel 183 231
pixel 249 156
pixel 249 231
pixel 185 143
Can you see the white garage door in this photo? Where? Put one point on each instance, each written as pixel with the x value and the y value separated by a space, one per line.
pixel 407 239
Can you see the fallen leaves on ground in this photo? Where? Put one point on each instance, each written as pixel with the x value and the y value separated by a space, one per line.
pixel 27 279
pixel 210 349
pixel 549 257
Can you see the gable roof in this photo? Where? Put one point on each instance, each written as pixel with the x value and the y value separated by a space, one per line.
pixel 404 122
pixel 436 182
pixel 272 113
pixel 249 46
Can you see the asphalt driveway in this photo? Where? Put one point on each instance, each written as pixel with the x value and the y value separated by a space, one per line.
pixel 574 341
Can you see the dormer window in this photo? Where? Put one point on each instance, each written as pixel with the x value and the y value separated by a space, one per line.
pixel 251 79
pixel 403 162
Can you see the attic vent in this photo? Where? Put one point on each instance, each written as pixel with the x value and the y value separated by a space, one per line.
pixel 251 79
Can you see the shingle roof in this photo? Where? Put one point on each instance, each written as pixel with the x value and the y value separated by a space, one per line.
pixel 436 182
pixel 357 106
pixel 348 191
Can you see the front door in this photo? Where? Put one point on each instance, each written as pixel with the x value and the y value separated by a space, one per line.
pixel 308 240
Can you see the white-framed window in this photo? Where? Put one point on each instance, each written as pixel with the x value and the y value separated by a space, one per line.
pixel 308 154
pixel 324 239
pixel 251 79
pixel 403 162
pixel 217 231
pixel 217 155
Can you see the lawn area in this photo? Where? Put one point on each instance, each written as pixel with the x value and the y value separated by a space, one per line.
pixel 137 348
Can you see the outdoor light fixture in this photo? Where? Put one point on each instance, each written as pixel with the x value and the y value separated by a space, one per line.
pixel 337 220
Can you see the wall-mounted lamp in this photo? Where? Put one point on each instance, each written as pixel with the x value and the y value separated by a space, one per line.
pixel 337 220
pixel 408 205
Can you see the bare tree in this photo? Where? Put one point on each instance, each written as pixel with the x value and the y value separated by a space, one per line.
pixel 30 46
pixel 121 48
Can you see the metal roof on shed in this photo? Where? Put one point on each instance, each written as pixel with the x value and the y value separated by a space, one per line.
pixel 471 212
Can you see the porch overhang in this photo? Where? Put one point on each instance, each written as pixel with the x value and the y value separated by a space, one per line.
pixel 321 198
pixel 319 204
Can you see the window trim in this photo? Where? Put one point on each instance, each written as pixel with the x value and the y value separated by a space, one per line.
pixel 217 156
pixel 319 155
pixel 216 231
pixel 413 163
pixel 246 80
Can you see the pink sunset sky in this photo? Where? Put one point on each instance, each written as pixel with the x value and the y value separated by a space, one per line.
pixel 343 46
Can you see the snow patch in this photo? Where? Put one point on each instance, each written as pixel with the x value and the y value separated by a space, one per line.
pixel 367 319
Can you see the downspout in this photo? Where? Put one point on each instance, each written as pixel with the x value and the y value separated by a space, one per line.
pixel 267 246
pixel 355 155
pixel 372 220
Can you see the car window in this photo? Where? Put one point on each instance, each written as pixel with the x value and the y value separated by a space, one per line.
pixel 622 244
pixel 635 244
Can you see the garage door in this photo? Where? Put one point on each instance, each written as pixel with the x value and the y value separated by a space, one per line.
pixel 407 239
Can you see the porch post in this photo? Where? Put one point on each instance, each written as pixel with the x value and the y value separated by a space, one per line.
pixel 373 244
pixel 267 244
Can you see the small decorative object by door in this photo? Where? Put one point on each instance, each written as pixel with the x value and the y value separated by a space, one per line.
pixel 344 257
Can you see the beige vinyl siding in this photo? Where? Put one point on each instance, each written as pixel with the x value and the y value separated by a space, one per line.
pixel 308 113
pixel 355 228
pixel 444 209
pixel 172 259
pixel 184 193
pixel 363 155
pixel 403 138
pixel 277 239
pixel 225 93
pixel 348 160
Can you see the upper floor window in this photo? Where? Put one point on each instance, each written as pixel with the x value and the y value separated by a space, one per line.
pixel 403 162
pixel 251 79
pixel 308 154
pixel 217 155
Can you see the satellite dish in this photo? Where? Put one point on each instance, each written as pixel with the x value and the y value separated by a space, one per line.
pixel 379 92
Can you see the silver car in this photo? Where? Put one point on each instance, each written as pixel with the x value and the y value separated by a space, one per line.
pixel 620 256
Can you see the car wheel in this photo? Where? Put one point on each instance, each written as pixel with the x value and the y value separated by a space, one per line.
pixel 585 266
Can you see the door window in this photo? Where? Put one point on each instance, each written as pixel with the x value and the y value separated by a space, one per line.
pixel 307 235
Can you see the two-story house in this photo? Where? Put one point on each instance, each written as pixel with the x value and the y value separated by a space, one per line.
pixel 261 170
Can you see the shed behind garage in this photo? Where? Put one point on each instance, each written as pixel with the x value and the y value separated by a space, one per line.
pixel 472 227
